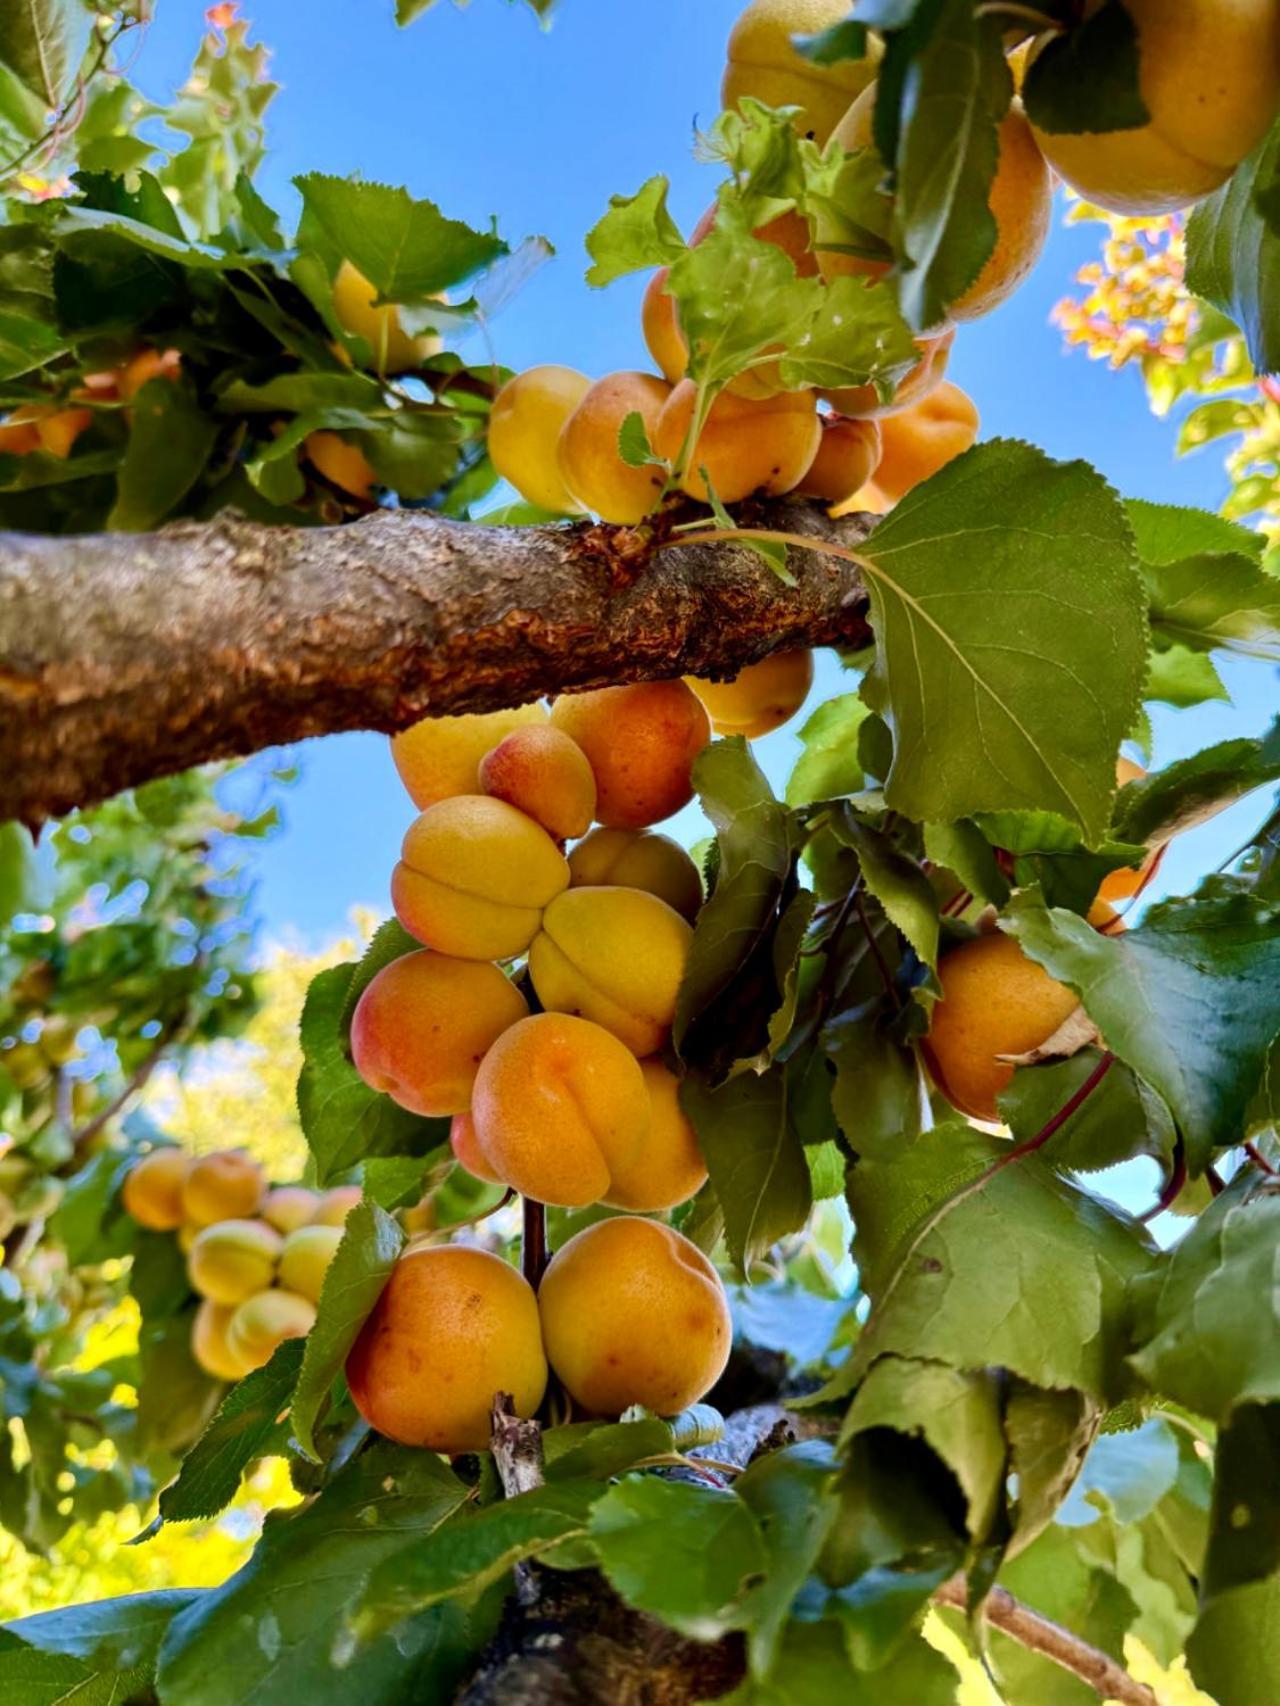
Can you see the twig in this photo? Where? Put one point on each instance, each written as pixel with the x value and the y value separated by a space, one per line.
pixel 533 1244
pixel 137 1081
pixel 1214 1181
pixel 517 1448
pixel 882 966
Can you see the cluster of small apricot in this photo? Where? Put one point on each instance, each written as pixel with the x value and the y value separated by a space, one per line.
pixel 256 1255
pixel 572 1103
pixel 54 428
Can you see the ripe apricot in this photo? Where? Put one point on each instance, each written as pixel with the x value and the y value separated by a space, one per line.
pixel 590 462
pixel 995 1001
pixel 638 859
pixel 265 1321
pixel 440 756
pixel 1129 880
pixel 924 438
pixel 863 402
pixel 1021 201
pixel 18 435
pixel 765 63
pixel 152 1192
pixel 632 1313
pixel 227 1185
pixel 660 324
pixel 546 775
pixel 467 1151
pixel 453 1327
pixel 1209 76
pixel 394 351
pixel 343 464
pixel 474 876
pixel 422 1025
pixel 560 1104
pixel 289 1207
pixel 615 956
pixel 305 1258
pixel 525 423
pixel 641 742
pixel 140 369
pixel 870 500
pixel 43 426
pixel 210 1345
pixel 848 454
pixel 746 445
pixel 670 1168
pixel 234 1259
pixel 760 697
pixel 336 1205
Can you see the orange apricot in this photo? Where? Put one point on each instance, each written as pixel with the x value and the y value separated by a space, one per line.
pixel 641 742
pixel 336 1205
pixel 467 1151
pixel 264 1321
pixel 226 1185
pixel 546 775
pixel 440 756
pixel 764 62
pixel 590 462
pixel 924 438
pixel 848 454
pixel 290 1206
pixel 746 445
pixel 342 463
pixel 670 1167
pixel 761 697
pixel 152 1192
pixel 210 1345
pixel 141 368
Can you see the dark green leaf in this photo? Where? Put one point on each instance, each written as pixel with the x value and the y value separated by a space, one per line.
pixel 1233 254
pixel 1086 79
pixel 92 1655
pixel 1119 1119
pixel 169 444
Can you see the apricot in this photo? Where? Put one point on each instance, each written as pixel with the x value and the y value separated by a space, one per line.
pixel 210 1345
pixel 343 464
pixel 453 1327
pixel 1129 880
pixel 765 63
pixel 474 877
pixel 870 500
pixel 545 775
pixel 615 956
pixel 632 1313
pixel 440 756
pixel 305 1258
pixel 18 435
pixel 924 438
pixel 394 351
pixel 141 368
pixel 525 423
pixel 560 1105
pixel 848 454
pixel 289 1207
pixel 152 1192
pixel 589 459
pixel 43 426
pixel 995 1001
pixel 638 859
pixel 670 1168
pixel 641 742
pixel 760 697
pixel 265 1321
pixel 660 324
pixel 188 1232
pixel 467 1151
pixel 862 402
pixel 227 1185
pixel 423 1024
pixel 336 1205
pixel 746 445
pixel 234 1259
pixel 1209 76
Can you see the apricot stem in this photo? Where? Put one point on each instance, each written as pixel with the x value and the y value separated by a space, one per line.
pixel 533 1244
pixel 1064 1113
pixel 1259 1160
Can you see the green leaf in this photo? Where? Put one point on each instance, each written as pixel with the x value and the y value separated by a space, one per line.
pixel 1120 1118
pixel 856 335
pixel 835 45
pixel 1182 677
pixel 1000 687
pixel 962 849
pixel 1233 254
pixel 1086 79
pixel 1232 1649
pixel 19 878
pixel 1190 998
pixel 92 1655
pixel 828 768
pixel 683 1553
pixel 813 1668
pixel 43 42
pixel 789 1494
pixel 407 249
pixel 1049 1434
pixel 633 443
pixel 353 1282
pixel 269 1634
pixel 1192 790
pixel 638 232
pixel 1207 584
pixel 169 444
pixel 600 1450
pixel 898 883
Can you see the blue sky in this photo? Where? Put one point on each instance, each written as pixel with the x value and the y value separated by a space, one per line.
pixel 488 115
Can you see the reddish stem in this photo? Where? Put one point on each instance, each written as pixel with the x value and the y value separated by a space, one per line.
pixel 1260 1161
pixel 1214 1180
pixel 533 1244
pixel 1065 1112
pixel 1173 1184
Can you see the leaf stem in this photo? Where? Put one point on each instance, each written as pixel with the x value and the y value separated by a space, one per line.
pixel 1260 1161
pixel 1064 1113
pixel 882 966
pixel 1173 1184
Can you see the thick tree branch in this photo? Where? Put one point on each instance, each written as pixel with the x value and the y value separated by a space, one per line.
pixel 124 657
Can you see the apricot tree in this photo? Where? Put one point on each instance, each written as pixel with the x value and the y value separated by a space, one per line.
pixel 825 1356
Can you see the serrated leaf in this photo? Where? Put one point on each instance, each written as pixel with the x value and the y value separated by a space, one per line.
pixel 170 442
pixel 600 1450
pixel 43 42
pixel 828 768
pixel 1181 677
pixel 856 335
pixel 1233 253
pixel 789 1494
pixel 1049 1434
pixel 637 232
pixel 406 248
pixel 633 443
pixel 1207 584
pixel 1192 790
pixel 1000 688
pixel 898 883
pixel 1121 1117
pixel 1086 79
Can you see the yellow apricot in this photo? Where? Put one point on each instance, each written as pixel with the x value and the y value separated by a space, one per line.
pixel 265 1321
pixel 760 697
pixel 453 1327
pixel 289 1207
pixel 995 1001
pixel 632 1313
pixel 638 859
pixel 545 775
pixel 394 351
pixel 422 1025
pixel 848 454
pixel 525 423
pixel 1129 880
pixel 188 1232
pixel 615 956
pixel 560 1104
pixel 661 327
pixel 765 63
pixel 746 444
pixel 234 1259
pixel 209 1342
pixel 226 1185
pixel 305 1258
pixel 670 1168
pixel 870 500
pixel 924 438
pixel 343 464
pixel 640 742
pixel 152 1192
pixel 336 1205
pixel 474 876
pixel 467 1151
pixel 440 756
pixel 1209 76
pixel 589 459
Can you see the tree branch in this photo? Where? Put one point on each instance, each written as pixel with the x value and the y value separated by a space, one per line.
pixel 125 657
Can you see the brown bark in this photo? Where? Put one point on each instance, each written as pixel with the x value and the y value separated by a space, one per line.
pixel 125 657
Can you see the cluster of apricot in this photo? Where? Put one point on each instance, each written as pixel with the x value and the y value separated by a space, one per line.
pixel 257 1256
pixel 55 427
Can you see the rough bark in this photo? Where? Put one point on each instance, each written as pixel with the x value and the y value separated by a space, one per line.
pixel 124 657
